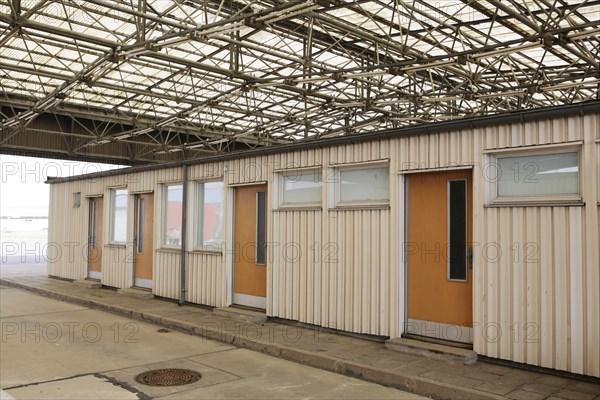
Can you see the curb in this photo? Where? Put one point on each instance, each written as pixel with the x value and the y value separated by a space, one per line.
pixel 414 384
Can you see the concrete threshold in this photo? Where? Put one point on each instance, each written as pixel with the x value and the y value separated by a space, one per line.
pixel 88 283
pixel 242 314
pixel 136 292
pixel 432 350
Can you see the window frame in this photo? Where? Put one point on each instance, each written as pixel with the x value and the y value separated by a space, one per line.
pixel 281 175
pixel 598 172
pixel 197 205
pixel 112 215
pixel 492 157
pixel 338 204
pixel 164 216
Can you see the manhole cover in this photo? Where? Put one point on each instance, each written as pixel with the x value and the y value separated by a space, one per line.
pixel 168 377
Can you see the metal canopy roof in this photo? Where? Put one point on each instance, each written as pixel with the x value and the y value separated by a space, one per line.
pixel 160 80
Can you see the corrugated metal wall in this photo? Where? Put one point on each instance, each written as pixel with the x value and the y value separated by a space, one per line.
pixel 537 302
pixel 537 286
pixel 206 281
pixel 166 275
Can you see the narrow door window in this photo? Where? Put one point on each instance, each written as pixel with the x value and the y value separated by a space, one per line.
pixel 261 227
pixel 457 230
pixel 140 225
pixel 93 224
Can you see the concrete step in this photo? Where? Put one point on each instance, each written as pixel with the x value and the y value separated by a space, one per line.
pixel 136 292
pixel 432 350
pixel 88 283
pixel 242 314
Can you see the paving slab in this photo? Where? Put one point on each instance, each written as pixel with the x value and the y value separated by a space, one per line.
pixel 210 377
pixel 71 389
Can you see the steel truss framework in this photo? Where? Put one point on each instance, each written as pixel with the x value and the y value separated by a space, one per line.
pixel 157 80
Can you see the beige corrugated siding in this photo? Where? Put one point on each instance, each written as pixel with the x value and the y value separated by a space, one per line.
pixel 537 287
pixel 206 280
pixel 166 274
pixel 536 269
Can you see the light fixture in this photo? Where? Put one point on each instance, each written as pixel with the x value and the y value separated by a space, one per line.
pixel 143 131
pixel 48 102
pixel 518 92
pixel 289 12
pixel 70 86
pixel 173 150
pixel 506 50
pixel 365 74
pixel 442 98
pixel 219 30
pixel 123 136
pixel 348 104
pixel 167 121
pixel 11 122
pixel 26 115
pixel 77 199
pixel 583 34
pixel 569 85
pixel 218 141
pixel 430 65
pixel 139 50
pixel 195 146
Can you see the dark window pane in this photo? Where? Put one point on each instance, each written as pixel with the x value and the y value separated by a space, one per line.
pixel 457 209
pixel 140 238
pixel 261 227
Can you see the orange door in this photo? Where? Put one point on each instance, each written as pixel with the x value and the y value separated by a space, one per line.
pixel 250 234
pixel 144 229
pixel 95 238
pixel 440 276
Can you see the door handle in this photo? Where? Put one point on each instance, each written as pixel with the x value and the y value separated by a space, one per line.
pixel 470 256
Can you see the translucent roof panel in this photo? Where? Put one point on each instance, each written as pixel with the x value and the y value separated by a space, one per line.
pixel 195 73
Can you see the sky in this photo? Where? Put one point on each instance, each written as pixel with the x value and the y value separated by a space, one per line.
pixel 22 188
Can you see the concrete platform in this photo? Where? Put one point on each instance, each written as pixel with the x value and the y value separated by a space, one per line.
pixel 136 292
pixel 432 350
pixel 70 361
pixel 242 314
pixel 88 283
pixel 352 356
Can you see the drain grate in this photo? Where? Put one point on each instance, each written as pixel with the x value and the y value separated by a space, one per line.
pixel 168 377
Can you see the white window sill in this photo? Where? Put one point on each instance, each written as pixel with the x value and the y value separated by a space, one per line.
pixel 170 250
pixel 549 203
pixel 350 207
pixel 298 208
pixel 207 251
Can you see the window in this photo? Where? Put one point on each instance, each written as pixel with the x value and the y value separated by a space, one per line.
pixel 598 170
pixel 457 230
pixel 301 188
pixel 77 199
pixel 363 186
pixel 173 207
pixel 534 176
pixel 118 216
pixel 261 227
pixel 210 215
